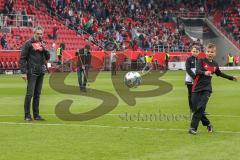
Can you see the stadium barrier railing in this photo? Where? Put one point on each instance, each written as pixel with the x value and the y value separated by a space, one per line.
pixel 18 20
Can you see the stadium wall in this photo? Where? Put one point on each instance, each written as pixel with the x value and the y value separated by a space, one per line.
pixel 99 57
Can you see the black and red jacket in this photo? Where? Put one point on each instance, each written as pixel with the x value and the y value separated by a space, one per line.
pixel 33 57
pixel 203 82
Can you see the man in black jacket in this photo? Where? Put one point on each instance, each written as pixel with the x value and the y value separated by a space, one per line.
pixel 191 63
pixel 83 65
pixel 32 66
pixel 202 88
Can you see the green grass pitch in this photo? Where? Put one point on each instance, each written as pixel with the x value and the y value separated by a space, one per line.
pixel 111 137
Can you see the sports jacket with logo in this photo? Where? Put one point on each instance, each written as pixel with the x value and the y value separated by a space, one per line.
pixel 203 82
pixel 33 57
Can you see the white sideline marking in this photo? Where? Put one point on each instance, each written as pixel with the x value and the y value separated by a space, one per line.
pixel 227 116
pixel 15 115
pixel 105 126
pixel 211 115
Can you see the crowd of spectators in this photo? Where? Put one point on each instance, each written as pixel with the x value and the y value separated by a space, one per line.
pixel 134 24
pixel 11 16
pixel 130 24
pixel 230 20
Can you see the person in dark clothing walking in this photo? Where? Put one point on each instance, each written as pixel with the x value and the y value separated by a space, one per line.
pixel 113 60
pixel 83 65
pixel 166 60
pixel 202 88
pixel 191 64
pixel 32 65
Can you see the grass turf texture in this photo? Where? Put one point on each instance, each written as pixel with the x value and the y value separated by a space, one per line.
pixel 111 137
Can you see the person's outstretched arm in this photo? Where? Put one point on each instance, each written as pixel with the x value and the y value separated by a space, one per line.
pixel 221 74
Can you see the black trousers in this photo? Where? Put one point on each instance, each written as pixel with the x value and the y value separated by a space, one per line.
pixel 113 68
pixel 82 77
pixel 199 103
pixel 189 87
pixel 60 58
pixel 166 65
pixel 34 87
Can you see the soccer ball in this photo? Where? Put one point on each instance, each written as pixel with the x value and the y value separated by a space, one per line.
pixel 132 79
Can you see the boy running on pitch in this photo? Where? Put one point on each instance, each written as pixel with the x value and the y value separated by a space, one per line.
pixel 202 88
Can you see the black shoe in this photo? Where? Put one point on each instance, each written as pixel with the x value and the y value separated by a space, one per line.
pixel 28 118
pixel 210 128
pixel 192 131
pixel 83 89
pixel 39 118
